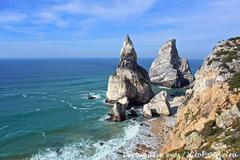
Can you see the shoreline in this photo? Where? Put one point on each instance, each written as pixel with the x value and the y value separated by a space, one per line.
pixel 152 134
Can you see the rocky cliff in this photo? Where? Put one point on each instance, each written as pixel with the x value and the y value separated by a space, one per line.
pixel 209 119
pixel 130 84
pixel 168 69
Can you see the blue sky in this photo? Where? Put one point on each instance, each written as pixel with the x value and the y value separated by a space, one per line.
pixel 96 28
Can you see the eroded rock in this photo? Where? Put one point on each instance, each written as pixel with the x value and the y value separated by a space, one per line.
pixel 168 69
pixel 130 80
pixel 118 113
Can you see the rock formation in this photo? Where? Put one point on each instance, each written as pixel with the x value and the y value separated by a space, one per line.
pixel 118 113
pixel 158 105
pixel 130 84
pixel 168 69
pixel 209 120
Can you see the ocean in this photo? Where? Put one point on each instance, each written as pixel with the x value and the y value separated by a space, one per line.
pixel 45 113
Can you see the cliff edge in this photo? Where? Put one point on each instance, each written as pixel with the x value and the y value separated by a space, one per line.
pixel 209 119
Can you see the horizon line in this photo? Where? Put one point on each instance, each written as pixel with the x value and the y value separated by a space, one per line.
pixel 80 58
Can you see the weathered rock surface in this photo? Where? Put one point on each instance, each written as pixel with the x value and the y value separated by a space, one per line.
pixel 209 120
pixel 158 105
pixel 168 69
pixel 118 113
pixel 130 83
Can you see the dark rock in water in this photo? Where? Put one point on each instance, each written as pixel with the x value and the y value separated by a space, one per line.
pixel 58 151
pixel 118 113
pixel 102 143
pixel 133 113
pixel 130 84
pixel 120 153
pixel 168 69
pixel 143 124
pixel 90 96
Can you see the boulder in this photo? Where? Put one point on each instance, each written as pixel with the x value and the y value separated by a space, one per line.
pixel 130 80
pixel 168 69
pixel 158 105
pixel 118 113
pixel 147 111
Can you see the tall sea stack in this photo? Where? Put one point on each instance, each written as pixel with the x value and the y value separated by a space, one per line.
pixel 168 69
pixel 130 84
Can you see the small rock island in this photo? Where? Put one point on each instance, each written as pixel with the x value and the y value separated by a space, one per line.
pixel 168 69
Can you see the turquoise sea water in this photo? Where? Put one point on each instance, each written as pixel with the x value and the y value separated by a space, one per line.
pixel 44 112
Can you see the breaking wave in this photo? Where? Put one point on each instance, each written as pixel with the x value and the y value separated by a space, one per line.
pixel 88 149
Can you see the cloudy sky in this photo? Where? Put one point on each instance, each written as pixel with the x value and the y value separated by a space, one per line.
pixel 96 28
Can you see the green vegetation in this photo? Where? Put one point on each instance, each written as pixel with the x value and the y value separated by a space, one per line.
pixel 226 56
pixel 208 129
pixel 212 136
pixel 229 56
pixel 234 38
pixel 190 132
pixel 219 111
pixel 213 60
pixel 221 53
pixel 233 138
pixel 235 81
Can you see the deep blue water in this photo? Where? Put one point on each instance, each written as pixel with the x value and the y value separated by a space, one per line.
pixel 43 106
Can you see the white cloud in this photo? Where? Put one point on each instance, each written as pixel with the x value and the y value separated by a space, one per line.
pixel 11 17
pixel 50 18
pixel 111 9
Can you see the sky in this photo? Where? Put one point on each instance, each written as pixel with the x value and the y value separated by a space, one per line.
pixel 96 28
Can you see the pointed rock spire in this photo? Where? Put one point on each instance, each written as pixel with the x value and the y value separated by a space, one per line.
pixel 169 49
pixel 130 84
pixel 128 52
pixel 128 41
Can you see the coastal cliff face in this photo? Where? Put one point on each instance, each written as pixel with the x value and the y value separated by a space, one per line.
pixel 209 119
pixel 130 84
pixel 168 69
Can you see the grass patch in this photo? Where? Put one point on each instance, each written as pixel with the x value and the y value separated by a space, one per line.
pixel 213 60
pixel 232 141
pixel 229 56
pixel 235 81
pixel 224 65
pixel 208 128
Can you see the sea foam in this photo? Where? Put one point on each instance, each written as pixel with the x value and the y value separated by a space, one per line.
pixel 88 149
